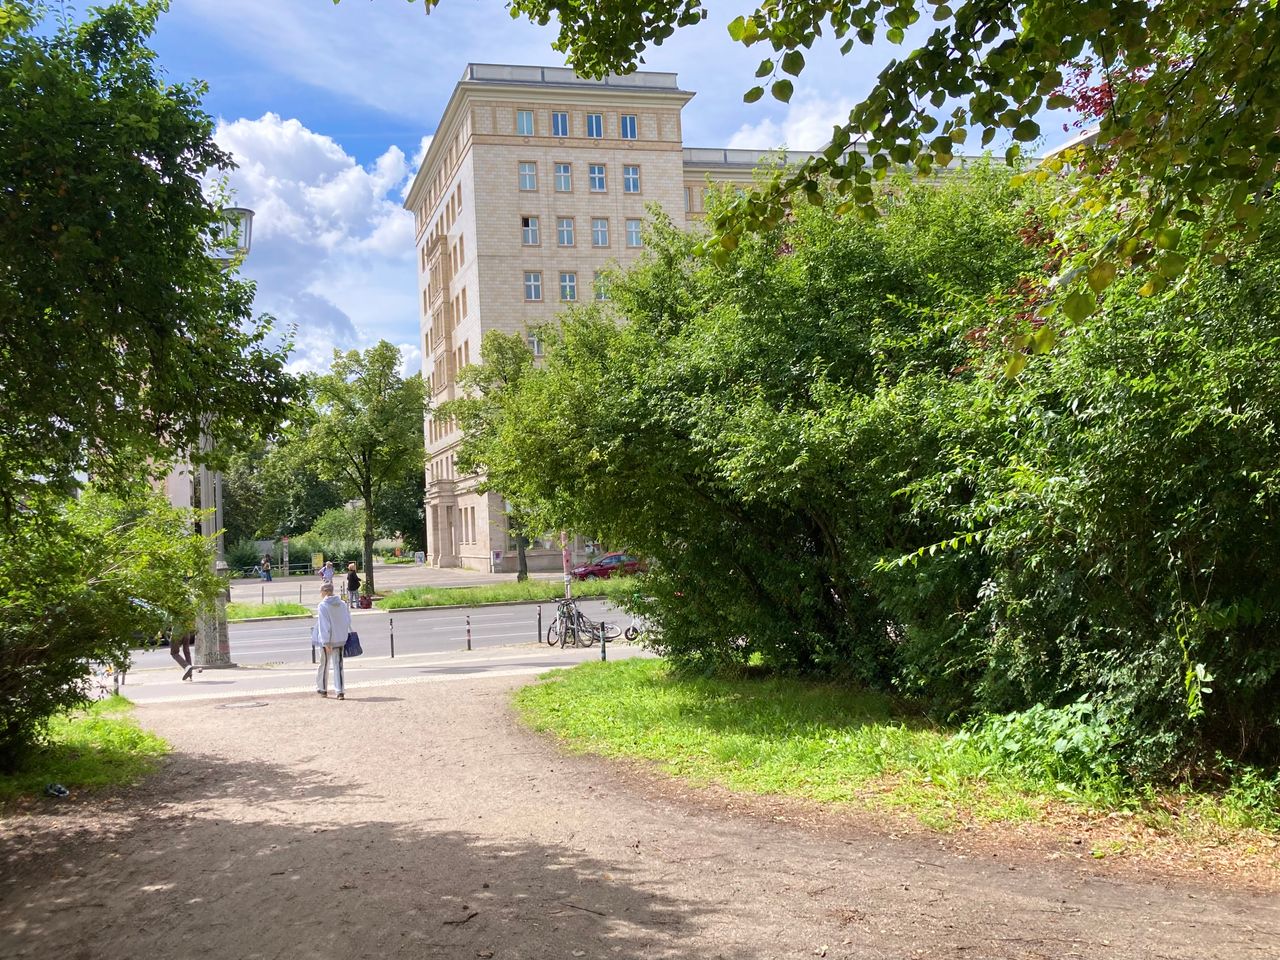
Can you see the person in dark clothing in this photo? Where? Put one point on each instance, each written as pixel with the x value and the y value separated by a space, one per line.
pixel 181 636
pixel 353 584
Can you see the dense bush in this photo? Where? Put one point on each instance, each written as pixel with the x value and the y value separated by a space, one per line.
pixel 820 449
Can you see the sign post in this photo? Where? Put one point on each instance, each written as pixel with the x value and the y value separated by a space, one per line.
pixel 567 560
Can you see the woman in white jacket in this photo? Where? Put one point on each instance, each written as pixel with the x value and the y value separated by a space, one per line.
pixel 333 623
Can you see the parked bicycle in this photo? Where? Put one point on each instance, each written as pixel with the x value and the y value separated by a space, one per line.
pixel 572 627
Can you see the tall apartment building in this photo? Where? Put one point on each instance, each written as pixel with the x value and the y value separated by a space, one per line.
pixel 536 181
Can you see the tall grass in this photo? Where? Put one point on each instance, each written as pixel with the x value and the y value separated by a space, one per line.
pixel 99 746
pixel 277 608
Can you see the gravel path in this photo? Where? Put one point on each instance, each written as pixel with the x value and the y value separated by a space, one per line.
pixel 422 822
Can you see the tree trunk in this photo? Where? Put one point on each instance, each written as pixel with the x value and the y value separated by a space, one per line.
pixel 522 568
pixel 368 542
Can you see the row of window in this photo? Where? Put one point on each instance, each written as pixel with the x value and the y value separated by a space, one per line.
pixel 627 126
pixel 568 286
pixel 531 232
pixel 597 177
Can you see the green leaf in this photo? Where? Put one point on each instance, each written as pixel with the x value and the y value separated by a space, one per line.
pixel 737 28
pixel 1101 275
pixel 1079 305
pixel 1015 364
pixel 752 95
pixel 781 90
pixel 765 68
pixel 1026 131
pixel 793 62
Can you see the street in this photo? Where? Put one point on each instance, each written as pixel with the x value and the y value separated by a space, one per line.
pixel 274 657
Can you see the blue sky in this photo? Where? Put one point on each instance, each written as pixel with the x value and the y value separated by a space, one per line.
pixel 326 109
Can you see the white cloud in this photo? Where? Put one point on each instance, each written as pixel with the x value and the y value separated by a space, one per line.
pixel 807 125
pixel 332 248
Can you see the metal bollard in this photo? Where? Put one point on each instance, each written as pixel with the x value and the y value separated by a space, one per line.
pixel 299 593
pixel 264 593
pixel 391 625
pixel 537 637
pixel 604 642
pixel 468 631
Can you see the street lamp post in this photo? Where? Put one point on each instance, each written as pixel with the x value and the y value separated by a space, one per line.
pixel 213 647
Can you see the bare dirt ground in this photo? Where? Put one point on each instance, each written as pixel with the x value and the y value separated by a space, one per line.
pixel 423 822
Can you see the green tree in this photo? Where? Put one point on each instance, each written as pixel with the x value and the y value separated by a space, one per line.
pixel 367 432
pixel 485 389
pixel 402 509
pixel 121 338
pixel 84 580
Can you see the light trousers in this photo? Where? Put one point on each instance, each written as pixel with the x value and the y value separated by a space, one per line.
pixel 327 654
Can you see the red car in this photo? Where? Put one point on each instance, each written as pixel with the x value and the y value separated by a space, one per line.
pixel 602 568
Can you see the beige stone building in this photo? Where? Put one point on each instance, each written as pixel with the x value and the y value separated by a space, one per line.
pixel 535 181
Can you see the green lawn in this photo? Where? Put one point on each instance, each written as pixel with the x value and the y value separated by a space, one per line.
pixel 99 746
pixel 547 591
pixel 834 744
pixel 278 608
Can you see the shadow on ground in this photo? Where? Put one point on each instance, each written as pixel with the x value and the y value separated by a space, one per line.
pixel 154 873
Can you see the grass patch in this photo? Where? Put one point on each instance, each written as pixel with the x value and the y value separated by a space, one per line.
pixel 99 746
pixel 834 744
pixel 546 591
pixel 278 608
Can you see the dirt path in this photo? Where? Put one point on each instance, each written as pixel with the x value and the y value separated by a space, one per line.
pixel 422 822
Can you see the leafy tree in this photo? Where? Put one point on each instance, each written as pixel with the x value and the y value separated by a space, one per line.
pixel 339 525
pixel 402 509
pixel 123 339
pixel 484 390
pixel 276 490
pixel 367 430
pixel 85 579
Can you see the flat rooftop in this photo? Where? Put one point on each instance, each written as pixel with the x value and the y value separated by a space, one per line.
pixel 563 76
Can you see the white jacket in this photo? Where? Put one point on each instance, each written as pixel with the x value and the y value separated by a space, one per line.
pixel 333 622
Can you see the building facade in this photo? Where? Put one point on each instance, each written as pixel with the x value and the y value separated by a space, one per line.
pixel 535 182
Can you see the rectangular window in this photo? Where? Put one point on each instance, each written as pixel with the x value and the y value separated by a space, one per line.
pixel 559 124
pixel 462 250
pixel 628 126
pixel 630 179
pixel 529 231
pixel 528 176
pixel 599 231
pixel 601 286
pixel 532 285
pixel 595 177
pixel 687 208
pixel 633 233
pixel 464 301
pixel 524 123
pixel 568 286
pixel 564 231
pixel 564 178
pixel 595 126
pixel 535 344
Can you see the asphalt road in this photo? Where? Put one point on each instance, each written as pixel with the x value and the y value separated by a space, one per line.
pixel 416 631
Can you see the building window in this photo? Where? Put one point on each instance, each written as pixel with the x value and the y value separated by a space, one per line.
pixel 630 179
pixel 595 126
pixel 564 178
pixel 687 208
pixel 601 286
pixel 532 285
pixel 462 250
pixel 529 231
pixel 633 233
pixel 464 301
pixel 535 344
pixel 564 231
pixel 595 177
pixel 628 126
pixel 528 175
pixel 524 123
pixel 559 124
pixel 568 286
pixel 599 231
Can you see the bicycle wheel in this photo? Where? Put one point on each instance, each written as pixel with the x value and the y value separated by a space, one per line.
pixel 610 631
pixel 586 631
pixel 553 635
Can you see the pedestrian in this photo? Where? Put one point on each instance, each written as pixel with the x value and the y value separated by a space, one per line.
pixel 326 573
pixel 180 637
pixel 266 569
pixel 353 584
pixel 333 623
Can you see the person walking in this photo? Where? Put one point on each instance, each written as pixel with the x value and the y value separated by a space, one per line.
pixel 266 569
pixel 353 584
pixel 326 573
pixel 181 636
pixel 333 623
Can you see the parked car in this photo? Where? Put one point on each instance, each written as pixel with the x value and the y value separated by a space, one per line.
pixel 602 568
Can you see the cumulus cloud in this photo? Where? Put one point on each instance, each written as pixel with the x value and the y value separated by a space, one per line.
pixel 332 248
pixel 807 125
